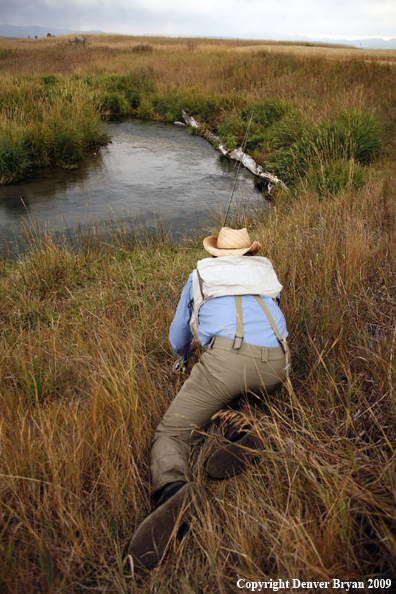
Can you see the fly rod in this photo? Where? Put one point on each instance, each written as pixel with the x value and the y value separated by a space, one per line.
pixel 239 166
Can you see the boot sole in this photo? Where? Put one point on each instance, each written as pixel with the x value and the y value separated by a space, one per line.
pixel 233 458
pixel 152 536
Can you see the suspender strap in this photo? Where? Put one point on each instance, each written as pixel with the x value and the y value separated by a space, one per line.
pixel 239 332
pixel 272 322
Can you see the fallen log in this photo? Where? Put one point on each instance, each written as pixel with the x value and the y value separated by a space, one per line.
pixel 236 154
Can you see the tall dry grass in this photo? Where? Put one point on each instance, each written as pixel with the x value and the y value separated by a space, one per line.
pixel 86 376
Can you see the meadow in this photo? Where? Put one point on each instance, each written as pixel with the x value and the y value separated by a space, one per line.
pixel 85 362
pixel 318 112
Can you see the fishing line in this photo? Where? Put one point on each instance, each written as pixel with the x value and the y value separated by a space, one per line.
pixel 239 166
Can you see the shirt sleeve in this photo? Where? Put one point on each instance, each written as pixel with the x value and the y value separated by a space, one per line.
pixel 180 335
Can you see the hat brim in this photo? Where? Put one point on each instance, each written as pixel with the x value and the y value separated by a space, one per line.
pixel 210 245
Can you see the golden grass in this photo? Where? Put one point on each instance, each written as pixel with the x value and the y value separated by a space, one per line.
pixel 200 43
pixel 61 58
pixel 321 51
pixel 86 376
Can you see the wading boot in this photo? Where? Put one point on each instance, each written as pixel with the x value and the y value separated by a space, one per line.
pixel 233 458
pixel 174 507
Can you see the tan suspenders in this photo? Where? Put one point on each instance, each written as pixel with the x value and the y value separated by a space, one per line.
pixel 282 341
pixel 239 332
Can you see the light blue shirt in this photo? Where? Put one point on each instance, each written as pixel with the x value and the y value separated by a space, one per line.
pixel 217 317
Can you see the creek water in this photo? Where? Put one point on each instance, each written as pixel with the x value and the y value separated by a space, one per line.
pixel 150 172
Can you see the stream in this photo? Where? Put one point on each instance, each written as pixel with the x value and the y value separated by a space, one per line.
pixel 151 173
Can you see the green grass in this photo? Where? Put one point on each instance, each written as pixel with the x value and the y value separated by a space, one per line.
pixel 45 122
pixel 354 135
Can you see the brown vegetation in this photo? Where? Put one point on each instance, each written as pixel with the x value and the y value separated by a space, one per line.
pixel 111 53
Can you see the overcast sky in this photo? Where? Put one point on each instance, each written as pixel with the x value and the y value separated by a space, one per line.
pixel 253 19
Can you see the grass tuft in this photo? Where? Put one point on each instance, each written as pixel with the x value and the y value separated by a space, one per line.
pixel 45 122
pixel 329 150
pixel 142 48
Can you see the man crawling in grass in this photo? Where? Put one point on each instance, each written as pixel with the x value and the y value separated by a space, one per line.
pixel 230 305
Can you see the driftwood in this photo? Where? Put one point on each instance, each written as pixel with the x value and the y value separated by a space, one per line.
pixel 236 154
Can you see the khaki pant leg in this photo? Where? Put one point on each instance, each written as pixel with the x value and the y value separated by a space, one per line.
pixel 219 377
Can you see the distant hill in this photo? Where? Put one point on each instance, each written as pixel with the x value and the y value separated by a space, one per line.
pixel 365 43
pixel 32 30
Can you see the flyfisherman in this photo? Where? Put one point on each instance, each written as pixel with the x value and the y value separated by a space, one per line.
pixel 230 304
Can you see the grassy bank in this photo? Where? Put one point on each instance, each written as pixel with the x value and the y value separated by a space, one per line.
pixel 86 376
pixel 85 362
pixel 45 121
pixel 323 114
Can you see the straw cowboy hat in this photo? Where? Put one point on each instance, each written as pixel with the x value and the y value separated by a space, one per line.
pixel 231 242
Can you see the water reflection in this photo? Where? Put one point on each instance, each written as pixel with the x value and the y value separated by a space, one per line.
pixel 150 170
